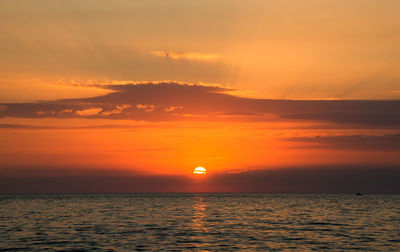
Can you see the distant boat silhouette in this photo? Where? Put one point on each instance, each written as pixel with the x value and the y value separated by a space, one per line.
pixel 359 194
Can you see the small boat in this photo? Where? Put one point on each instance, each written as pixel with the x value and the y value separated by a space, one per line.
pixel 359 194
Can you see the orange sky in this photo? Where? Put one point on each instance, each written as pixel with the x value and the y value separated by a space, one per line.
pixel 184 126
pixel 276 49
pixel 160 87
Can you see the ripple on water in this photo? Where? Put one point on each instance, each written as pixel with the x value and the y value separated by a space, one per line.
pixel 199 222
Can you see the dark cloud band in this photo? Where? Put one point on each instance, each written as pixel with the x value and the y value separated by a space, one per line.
pixel 325 179
pixel 172 101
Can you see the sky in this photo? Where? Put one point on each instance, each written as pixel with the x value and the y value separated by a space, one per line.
pixel 130 96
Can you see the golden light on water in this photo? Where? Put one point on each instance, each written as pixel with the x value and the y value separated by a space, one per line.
pixel 200 171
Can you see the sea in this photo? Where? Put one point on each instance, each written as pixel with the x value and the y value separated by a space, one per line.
pixel 199 222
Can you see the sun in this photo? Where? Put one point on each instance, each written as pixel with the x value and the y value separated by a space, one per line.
pixel 200 171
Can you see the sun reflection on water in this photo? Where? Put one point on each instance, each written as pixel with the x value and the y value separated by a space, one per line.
pixel 198 225
pixel 199 213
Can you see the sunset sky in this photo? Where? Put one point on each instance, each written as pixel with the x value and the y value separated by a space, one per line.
pixel 131 96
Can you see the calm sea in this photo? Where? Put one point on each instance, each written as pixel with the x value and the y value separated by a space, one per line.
pixel 199 222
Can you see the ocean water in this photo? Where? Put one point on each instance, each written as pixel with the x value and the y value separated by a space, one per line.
pixel 199 222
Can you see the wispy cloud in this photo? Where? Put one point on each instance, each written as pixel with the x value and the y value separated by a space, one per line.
pixel 387 142
pixel 88 112
pixel 73 127
pixel 186 55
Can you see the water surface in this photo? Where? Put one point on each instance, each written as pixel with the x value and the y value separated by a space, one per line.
pixel 199 222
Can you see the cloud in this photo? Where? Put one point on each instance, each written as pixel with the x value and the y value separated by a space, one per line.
pixel 145 107
pixel 322 179
pixel 186 55
pixel 387 142
pixel 22 126
pixel 172 108
pixel 119 109
pixel 174 101
pixel 37 180
pixel 69 127
pixel 326 179
pixel 87 112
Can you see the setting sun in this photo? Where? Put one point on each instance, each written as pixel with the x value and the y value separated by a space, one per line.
pixel 200 171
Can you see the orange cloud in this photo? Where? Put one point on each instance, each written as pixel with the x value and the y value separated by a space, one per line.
pixel 88 112
pixel 146 107
pixel 186 55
